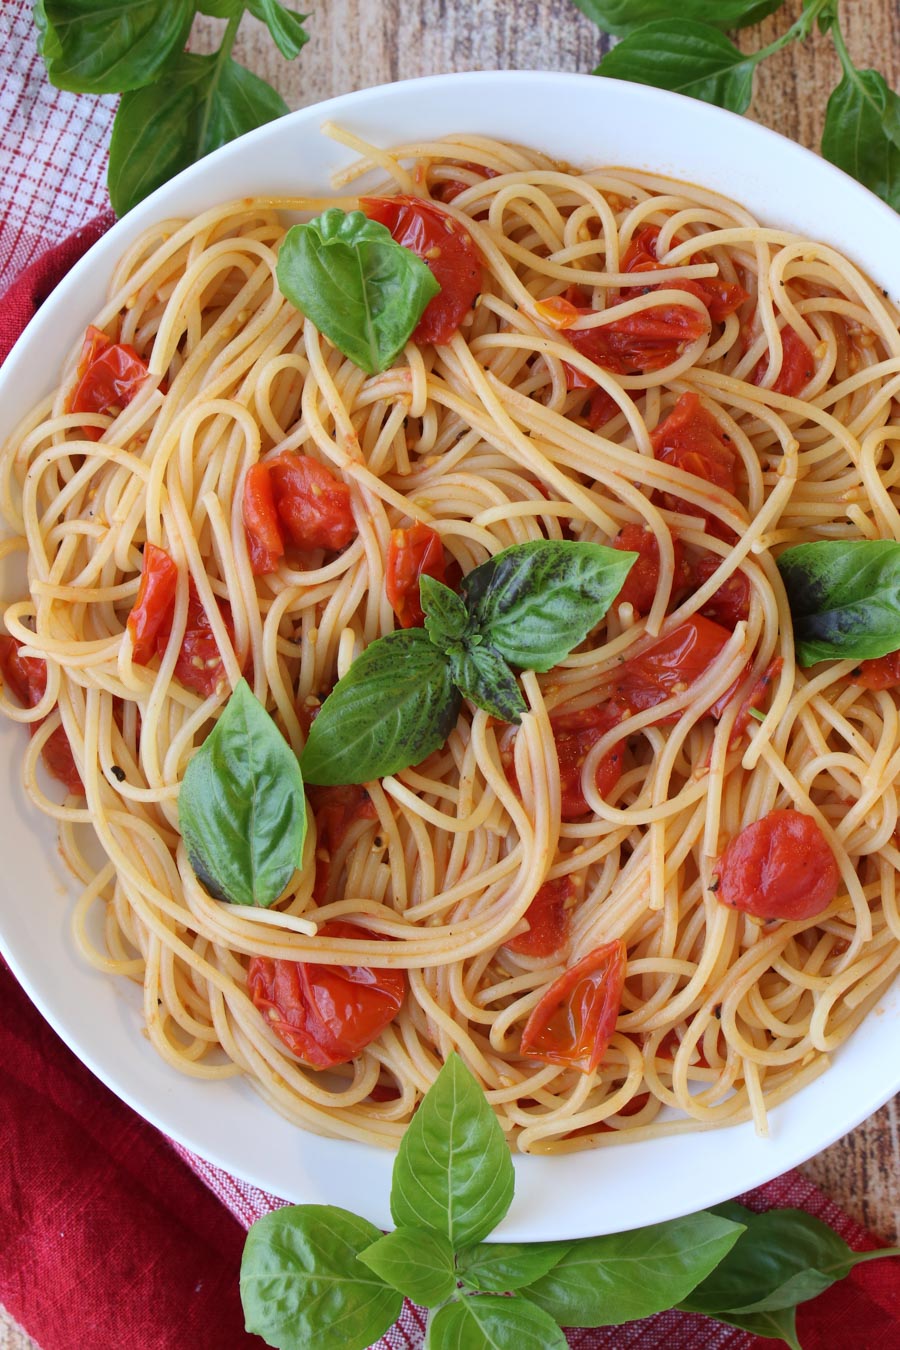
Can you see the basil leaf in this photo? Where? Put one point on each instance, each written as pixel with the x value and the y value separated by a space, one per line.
pixel 496 1267
pixel 844 598
pixel 626 1276
pixel 780 1325
pixel 285 25
pixel 862 132
pixel 222 9
pixel 301 1284
pixel 534 602
pixel 417 1262
pixel 93 47
pixel 446 616
pixel 365 292
pixel 199 104
pixel 624 16
pixel 491 1323
pixel 241 809
pixel 453 1173
pixel 394 706
pixel 686 57
pixel 482 675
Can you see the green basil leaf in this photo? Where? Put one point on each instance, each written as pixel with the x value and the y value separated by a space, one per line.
pixel 222 9
pixel 481 674
pixel 199 104
pixel 453 1173
pixel 624 16
pixel 844 598
pixel 285 25
pixel 365 292
pixel 417 1262
pixel 94 47
pixel 395 705
pixel 301 1284
pixel 776 1326
pixel 626 1276
pixel 496 1267
pixel 446 616
pixel 686 57
pixel 486 1322
pixel 241 809
pixel 862 132
pixel 534 602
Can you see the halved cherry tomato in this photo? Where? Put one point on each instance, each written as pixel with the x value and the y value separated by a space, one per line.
pixel 26 676
pixel 692 440
pixel 313 506
pixel 109 375
pixel 450 189
pixel 880 672
pixel 412 554
pixel 780 867
pixel 731 602
pixel 573 1022
pixel 671 665
pixel 548 920
pixel 636 344
pixel 642 581
pixel 797 365
pixel 574 734
pixel 199 665
pixel 264 542
pixel 447 248
pixel 720 297
pixel 153 606
pixel 326 1015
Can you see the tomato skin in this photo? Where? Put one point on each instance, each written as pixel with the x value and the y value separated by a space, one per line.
pixel 720 297
pixel 676 659
pixel 313 506
pixel 155 598
pixel 691 439
pixel 26 677
pixel 326 1015
pixel 731 602
pixel 448 250
pixel 797 365
pixel 264 542
pixel 199 665
pixel 548 920
pixel 335 810
pixel 109 375
pixel 879 672
pixel 780 867
pixel 755 699
pixel 636 344
pixel 642 581
pixel 411 554
pixel 574 1020
pixel 574 734
pixel 450 189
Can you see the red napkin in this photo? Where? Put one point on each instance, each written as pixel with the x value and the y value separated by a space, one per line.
pixel 108 1241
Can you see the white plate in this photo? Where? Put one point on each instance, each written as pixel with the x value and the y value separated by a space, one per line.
pixel 586 121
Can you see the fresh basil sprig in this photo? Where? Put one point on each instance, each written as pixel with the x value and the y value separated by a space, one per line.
pixel 844 597
pixel 241 808
pixel 316 1276
pixel 176 107
pixel 528 606
pixel 360 288
pixel 624 16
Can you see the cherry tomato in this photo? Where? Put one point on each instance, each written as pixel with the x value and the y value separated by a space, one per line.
pixel 313 506
pixel 264 542
pixel 574 734
pixel 26 677
pixel 780 867
pixel 797 365
pixel 448 249
pixel 450 189
pixel 326 1015
pixel 109 375
pixel 642 581
pixel 153 606
pixel 720 297
pixel 199 665
pixel 573 1022
pixel 335 810
pixel 671 665
pixel 411 554
pixel 548 920
pixel 691 439
pixel 636 344
pixel 601 408
pixel 731 602
pixel 755 699
pixel 881 672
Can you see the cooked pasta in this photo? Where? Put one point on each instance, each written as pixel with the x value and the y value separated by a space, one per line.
pixel 610 302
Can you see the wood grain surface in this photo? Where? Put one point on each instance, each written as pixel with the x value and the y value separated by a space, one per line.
pixel 355 44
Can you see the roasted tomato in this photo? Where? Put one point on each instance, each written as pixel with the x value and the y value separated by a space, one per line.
pixel 691 439
pixel 755 699
pixel 26 678
pixel 448 249
pixel 153 606
pixel 635 344
pixel 731 602
pixel 642 581
pixel 264 542
pixel 720 297
pixel 199 665
pixel 573 1022
pixel 574 734
pixel 335 810
pixel 326 1015
pixel 313 506
pixel 780 867
pixel 412 553
pixel 109 375
pixel 797 365
pixel 548 920
pixel 670 665
pixel 881 672
pixel 449 189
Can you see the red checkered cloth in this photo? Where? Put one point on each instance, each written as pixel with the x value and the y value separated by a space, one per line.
pixel 168 1274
